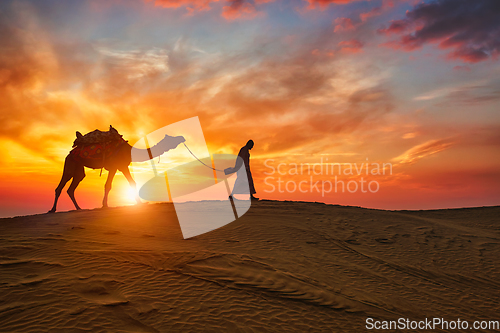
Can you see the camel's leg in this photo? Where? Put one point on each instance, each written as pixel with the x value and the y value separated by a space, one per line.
pixel 78 176
pixel 68 173
pixel 107 187
pixel 131 181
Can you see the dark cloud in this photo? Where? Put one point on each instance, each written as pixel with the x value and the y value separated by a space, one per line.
pixel 469 30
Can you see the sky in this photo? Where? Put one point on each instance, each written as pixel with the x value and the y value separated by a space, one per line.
pixel 408 91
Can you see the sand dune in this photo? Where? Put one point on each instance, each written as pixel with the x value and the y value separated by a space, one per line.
pixel 283 267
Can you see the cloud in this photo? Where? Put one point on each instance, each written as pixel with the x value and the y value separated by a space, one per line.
pixel 462 68
pixel 49 88
pixel 423 150
pixel 396 27
pixel 376 11
pixel 192 5
pixel 239 9
pixel 137 64
pixel 476 92
pixel 323 4
pixel 351 46
pixel 286 101
pixel 343 24
pixel 231 10
pixel 300 103
pixel 409 135
pixel 468 30
pixel 28 63
pixel 347 24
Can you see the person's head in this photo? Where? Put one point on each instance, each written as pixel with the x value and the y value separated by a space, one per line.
pixel 249 144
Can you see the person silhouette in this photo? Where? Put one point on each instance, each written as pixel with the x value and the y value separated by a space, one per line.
pixel 239 184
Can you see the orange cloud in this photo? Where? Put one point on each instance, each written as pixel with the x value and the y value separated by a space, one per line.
pixel 197 5
pixel 423 150
pixel 134 90
pixel 323 4
pixel 236 9
pixel 239 9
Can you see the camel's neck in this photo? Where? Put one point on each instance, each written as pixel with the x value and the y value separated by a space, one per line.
pixel 153 152
pixel 142 155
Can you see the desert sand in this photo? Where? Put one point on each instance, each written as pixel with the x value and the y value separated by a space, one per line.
pixel 282 267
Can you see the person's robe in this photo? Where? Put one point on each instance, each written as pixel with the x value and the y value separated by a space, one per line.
pixel 239 185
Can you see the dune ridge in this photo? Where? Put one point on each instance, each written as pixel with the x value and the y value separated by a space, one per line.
pixel 284 266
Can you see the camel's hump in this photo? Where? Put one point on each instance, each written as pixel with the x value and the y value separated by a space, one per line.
pixel 96 137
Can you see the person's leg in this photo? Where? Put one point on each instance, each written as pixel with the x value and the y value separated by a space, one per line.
pixel 251 185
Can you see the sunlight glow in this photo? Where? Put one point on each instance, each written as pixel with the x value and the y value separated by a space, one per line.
pixel 129 195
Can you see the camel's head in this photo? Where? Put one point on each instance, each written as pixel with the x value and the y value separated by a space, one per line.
pixel 171 142
pixel 180 138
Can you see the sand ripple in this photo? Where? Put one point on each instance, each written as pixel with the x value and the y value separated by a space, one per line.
pixel 283 267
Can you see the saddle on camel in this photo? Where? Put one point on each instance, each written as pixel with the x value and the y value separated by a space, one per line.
pixel 97 145
pixel 108 150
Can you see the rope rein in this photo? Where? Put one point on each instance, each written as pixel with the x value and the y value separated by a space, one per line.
pixel 200 160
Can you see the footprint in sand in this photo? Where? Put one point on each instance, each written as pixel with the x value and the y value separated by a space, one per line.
pixel 113 232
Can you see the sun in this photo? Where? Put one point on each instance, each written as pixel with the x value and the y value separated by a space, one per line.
pixel 129 195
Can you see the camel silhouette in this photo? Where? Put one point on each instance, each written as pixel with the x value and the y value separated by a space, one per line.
pixel 74 167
